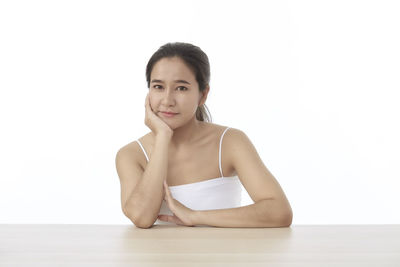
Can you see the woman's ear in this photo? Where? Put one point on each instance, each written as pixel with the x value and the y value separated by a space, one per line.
pixel 204 95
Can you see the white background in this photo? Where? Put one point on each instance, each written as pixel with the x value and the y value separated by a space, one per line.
pixel 314 84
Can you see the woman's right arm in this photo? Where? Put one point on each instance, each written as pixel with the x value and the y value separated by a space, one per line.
pixel 144 203
pixel 143 192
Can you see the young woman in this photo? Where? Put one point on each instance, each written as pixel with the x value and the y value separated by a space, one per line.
pixel 181 172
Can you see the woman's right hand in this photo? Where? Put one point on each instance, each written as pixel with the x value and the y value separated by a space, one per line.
pixel 155 123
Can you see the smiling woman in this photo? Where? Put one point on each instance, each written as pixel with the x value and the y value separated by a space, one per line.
pixel 175 173
pixel 193 58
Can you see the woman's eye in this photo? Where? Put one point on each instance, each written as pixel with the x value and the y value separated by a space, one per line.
pixel 157 87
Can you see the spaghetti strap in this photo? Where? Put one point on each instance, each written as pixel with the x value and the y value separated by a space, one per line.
pixel 220 146
pixel 144 151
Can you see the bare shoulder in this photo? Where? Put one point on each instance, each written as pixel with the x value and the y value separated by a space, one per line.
pixel 232 140
pixel 231 136
pixel 134 150
pixel 235 140
pixel 130 148
pixel 234 134
pixel 216 129
pixel 134 146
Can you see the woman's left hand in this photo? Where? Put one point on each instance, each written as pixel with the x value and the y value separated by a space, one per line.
pixel 182 215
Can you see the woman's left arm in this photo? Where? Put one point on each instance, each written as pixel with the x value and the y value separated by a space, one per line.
pixel 271 207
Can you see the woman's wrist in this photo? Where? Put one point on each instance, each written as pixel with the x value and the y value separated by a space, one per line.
pixel 164 136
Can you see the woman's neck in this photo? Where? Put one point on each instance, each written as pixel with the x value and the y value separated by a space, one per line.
pixel 186 135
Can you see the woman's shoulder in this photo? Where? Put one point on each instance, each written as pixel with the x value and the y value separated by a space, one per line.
pixel 129 149
pixel 134 148
pixel 134 151
pixel 216 130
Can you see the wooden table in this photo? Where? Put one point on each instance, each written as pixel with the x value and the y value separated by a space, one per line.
pixel 172 245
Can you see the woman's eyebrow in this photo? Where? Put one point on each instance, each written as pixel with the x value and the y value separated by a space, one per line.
pixel 176 81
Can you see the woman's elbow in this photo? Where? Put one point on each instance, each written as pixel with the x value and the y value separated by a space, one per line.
pixel 140 223
pixel 286 219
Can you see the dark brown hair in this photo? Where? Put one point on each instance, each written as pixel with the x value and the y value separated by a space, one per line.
pixel 196 60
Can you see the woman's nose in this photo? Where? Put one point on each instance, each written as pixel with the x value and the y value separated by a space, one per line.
pixel 168 96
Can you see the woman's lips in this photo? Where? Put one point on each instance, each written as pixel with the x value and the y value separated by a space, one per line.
pixel 169 115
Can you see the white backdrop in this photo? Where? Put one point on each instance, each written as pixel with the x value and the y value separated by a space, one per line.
pixel 321 77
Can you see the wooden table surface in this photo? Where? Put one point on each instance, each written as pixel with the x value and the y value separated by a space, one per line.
pixel 173 245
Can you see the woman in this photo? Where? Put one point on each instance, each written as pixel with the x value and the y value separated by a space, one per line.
pixel 181 172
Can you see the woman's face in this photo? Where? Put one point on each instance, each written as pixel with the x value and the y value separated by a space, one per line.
pixel 173 88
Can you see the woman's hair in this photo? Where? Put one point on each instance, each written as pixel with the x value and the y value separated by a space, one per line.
pixel 195 59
